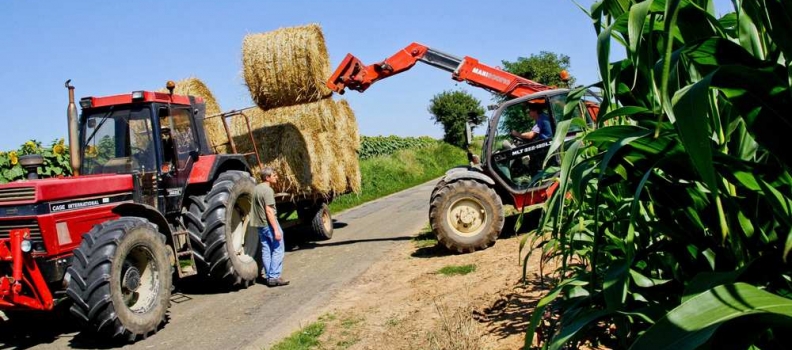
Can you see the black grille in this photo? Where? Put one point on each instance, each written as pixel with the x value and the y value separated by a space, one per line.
pixel 17 194
pixel 7 225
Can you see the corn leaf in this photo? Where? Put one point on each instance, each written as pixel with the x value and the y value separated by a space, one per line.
pixel 693 322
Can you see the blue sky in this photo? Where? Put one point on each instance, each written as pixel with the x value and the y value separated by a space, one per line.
pixel 112 47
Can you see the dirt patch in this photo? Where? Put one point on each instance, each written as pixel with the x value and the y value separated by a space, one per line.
pixel 402 302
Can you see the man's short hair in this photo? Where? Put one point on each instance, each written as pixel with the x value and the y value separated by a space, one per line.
pixel 266 172
pixel 535 107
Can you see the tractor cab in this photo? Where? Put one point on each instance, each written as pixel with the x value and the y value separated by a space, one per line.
pixel 152 134
pixel 517 164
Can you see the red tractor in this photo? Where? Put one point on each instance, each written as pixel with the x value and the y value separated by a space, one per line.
pixel 466 207
pixel 149 203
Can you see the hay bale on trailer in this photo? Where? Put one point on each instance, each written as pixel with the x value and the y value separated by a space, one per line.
pixel 296 141
pixel 287 66
pixel 214 128
pixel 314 146
pixel 348 145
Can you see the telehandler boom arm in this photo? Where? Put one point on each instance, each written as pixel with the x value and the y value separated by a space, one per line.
pixel 353 74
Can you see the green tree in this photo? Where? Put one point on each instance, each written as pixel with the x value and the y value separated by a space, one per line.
pixel 543 68
pixel 452 109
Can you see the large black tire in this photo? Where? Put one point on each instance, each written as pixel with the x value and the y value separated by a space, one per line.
pixel 439 185
pixel 225 248
pixel 321 222
pixel 121 278
pixel 466 216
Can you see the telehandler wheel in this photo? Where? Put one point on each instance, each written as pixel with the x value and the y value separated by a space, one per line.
pixel 321 222
pixel 440 184
pixel 120 280
pixel 466 216
pixel 225 247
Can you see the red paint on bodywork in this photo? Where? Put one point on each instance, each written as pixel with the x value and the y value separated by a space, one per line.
pixel 201 169
pixel 148 96
pixel 534 197
pixel 78 221
pixel 73 187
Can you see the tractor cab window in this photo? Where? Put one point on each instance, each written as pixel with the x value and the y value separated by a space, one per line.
pixel 117 141
pixel 583 110
pixel 177 137
pixel 521 142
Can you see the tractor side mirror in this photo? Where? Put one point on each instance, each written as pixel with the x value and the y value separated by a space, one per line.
pixel 468 135
pixel 472 119
pixel 472 158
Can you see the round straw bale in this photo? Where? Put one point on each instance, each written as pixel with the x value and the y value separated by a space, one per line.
pixel 348 150
pixel 215 133
pixel 350 123
pixel 295 140
pixel 287 66
pixel 354 179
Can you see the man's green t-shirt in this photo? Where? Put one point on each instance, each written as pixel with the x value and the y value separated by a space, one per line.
pixel 263 195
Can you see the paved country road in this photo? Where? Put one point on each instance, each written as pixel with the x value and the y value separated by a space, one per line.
pixel 256 317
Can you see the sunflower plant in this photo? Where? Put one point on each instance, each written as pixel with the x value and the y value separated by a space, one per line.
pixel 56 160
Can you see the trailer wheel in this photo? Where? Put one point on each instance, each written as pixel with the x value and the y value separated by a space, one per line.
pixel 321 222
pixel 466 216
pixel 225 247
pixel 121 279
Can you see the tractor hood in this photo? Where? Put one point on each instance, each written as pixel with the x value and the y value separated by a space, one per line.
pixel 53 189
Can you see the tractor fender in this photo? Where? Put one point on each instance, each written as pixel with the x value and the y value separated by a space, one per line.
pixel 147 212
pixel 209 166
pixel 456 174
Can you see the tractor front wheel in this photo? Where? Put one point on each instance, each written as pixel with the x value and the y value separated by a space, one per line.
pixel 466 215
pixel 120 281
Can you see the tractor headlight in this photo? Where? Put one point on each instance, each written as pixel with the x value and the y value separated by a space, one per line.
pixel 26 246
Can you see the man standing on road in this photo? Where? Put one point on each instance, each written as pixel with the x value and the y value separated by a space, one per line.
pixel 264 219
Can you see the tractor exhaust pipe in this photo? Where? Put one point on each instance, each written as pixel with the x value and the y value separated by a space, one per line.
pixel 74 142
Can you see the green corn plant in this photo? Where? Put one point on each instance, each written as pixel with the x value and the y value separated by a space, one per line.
pixel 672 224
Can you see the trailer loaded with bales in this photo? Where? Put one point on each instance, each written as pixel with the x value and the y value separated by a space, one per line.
pixel 162 192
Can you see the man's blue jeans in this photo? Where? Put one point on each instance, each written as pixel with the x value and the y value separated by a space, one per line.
pixel 272 252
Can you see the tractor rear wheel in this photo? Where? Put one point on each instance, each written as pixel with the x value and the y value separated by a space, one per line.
pixel 466 215
pixel 225 247
pixel 120 280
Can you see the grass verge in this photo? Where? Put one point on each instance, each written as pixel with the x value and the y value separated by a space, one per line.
pixel 425 239
pixel 330 332
pixel 305 338
pixel 385 175
pixel 453 270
